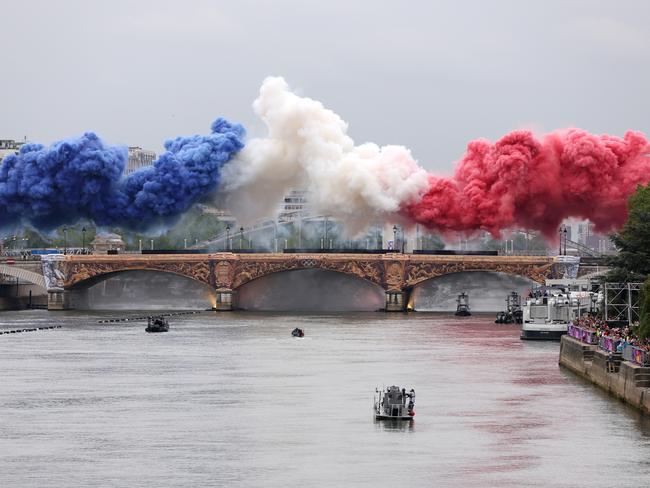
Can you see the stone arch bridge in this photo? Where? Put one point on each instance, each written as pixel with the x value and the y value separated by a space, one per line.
pixel 226 272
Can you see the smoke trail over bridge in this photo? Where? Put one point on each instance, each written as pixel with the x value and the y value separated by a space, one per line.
pixel 520 181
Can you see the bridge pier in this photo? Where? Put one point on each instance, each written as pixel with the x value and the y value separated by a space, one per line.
pixel 396 301
pixel 225 300
pixel 56 299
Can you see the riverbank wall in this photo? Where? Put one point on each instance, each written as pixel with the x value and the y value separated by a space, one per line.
pixel 623 379
pixel 21 296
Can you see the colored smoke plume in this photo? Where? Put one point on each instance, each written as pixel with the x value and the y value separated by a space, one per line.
pixel 83 178
pixel 523 182
pixel 307 148
pixel 517 182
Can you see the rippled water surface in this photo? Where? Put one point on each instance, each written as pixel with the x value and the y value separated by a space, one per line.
pixel 233 400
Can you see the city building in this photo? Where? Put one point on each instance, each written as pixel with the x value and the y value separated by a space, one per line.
pixel 138 158
pixel 293 204
pixel 9 146
pixel 585 230
pixel 104 242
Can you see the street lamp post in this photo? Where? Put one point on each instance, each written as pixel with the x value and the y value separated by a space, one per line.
pixel 227 237
pixel 185 243
pixel 83 240
pixel 394 237
pixel 65 240
pixel 152 244
pixel 325 242
pixel 565 239
pixel 140 245
pixel 241 237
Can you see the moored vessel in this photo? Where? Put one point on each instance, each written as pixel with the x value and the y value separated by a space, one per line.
pixel 549 310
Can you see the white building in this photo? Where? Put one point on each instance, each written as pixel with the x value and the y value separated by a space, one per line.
pixel 294 204
pixel 138 158
pixel 9 146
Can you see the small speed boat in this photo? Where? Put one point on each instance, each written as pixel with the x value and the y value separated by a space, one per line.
pixel 157 324
pixel 298 332
pixel 394 404
pixel 462 309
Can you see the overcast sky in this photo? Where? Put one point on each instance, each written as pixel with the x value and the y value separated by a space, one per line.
pixel 428 75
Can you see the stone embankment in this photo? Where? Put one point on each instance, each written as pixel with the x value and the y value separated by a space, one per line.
pixel 623 379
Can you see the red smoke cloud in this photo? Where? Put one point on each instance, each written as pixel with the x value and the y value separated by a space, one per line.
pixel 521 182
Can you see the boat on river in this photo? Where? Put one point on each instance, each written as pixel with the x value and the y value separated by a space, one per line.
pixel 513 313
pixel 157 324
pixel 394 403
pixel 549 310
pixel 297 332
pixel 462 309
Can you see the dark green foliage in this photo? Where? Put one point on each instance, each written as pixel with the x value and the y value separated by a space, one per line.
pixel 633 261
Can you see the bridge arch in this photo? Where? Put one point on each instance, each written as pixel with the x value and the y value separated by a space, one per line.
pixel 487 290
pixel 79 284
pixel 416 274
pixel 246 272
pixel 310 289
pixel 140 288
pixel 23 274
pixel 82 274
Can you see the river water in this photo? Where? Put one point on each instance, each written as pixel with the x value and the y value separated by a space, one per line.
pixel 233 400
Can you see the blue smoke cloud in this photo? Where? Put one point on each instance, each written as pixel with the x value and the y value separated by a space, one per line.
pixel 83 178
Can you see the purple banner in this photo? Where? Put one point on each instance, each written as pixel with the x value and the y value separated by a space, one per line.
pixel 583 335
pixel 639 356
pixel 574 332
pixel 608 343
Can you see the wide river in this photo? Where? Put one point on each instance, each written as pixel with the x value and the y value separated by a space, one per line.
pixel 233 400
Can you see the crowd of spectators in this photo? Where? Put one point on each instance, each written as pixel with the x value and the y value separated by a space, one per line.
pixel 625 335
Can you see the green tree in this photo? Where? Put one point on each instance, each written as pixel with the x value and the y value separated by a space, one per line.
pixel 633 241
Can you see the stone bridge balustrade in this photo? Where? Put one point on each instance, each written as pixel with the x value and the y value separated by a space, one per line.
pixel 226 272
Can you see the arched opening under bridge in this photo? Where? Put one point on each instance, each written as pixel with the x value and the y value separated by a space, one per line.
pixel 140 290
pixel 310 290
pixel 487 291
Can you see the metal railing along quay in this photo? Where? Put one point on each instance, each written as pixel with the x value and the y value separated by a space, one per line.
pixel 610 345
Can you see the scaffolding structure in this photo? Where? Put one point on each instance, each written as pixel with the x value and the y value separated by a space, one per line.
pixel 621 302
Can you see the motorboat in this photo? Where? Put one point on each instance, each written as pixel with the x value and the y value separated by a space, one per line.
pixel 549 310
pixel 157 324
pixel 513 313
pixel 462 307
pixel 297 332
pixel 394 403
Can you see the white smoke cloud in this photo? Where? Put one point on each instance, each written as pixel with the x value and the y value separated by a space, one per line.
pixel 307 147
